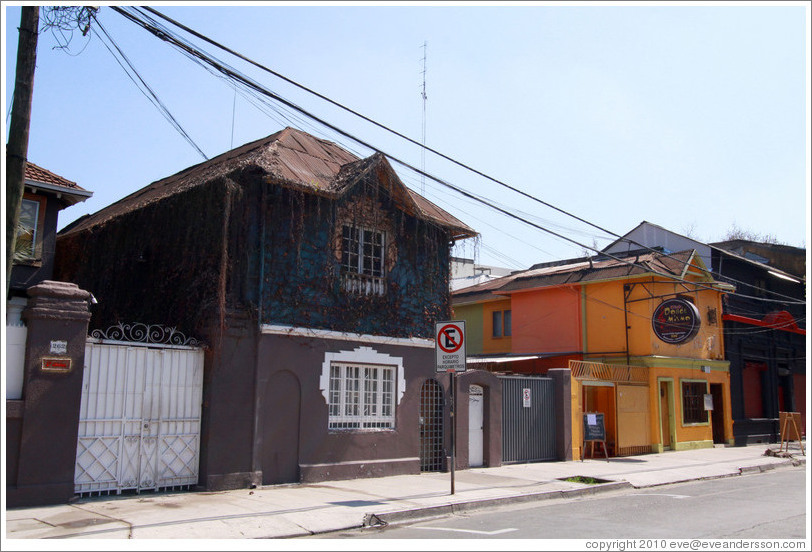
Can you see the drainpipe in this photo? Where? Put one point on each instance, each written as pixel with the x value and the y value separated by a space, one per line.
pixel 257 444
pixel 626 289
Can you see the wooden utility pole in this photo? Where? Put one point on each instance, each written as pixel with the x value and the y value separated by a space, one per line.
pixel 17 147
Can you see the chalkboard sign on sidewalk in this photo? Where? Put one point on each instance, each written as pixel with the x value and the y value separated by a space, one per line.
pixel 594 430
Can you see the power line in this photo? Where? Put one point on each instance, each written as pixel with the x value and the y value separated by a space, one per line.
pixel 235 75
pixel 423 146
pixel 144 88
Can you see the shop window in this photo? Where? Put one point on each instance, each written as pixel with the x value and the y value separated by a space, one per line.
pixel 362 260
pixel 693 402
pixel 502 324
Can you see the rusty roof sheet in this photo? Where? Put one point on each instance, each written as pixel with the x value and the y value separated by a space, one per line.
pixel 672 265
pixel 290 158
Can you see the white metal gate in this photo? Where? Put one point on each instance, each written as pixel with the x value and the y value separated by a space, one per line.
pixel 139 423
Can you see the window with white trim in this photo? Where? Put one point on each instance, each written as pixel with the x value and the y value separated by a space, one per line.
pixel 361 396
pixel 362 260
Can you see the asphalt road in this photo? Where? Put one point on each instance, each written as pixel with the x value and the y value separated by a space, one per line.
pixel 759 506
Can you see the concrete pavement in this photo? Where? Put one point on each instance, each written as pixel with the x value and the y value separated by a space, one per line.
pixel 283 511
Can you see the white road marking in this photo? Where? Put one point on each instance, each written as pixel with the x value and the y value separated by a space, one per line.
pixel 663 494
pixel 497 532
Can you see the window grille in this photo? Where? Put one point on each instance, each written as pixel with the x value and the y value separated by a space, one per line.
pixel 361 396
pixel 693 402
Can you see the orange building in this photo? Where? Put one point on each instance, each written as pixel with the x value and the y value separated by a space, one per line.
pixel 642 337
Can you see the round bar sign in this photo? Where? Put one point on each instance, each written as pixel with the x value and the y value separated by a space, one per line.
pixel 676 321
pixel 450 346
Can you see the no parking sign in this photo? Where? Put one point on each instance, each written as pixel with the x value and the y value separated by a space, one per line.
pixel 449 346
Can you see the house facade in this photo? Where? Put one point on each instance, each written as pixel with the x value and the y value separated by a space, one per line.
pixel 314 278
pixel 45 194
pixel 641 335
pixel 764 321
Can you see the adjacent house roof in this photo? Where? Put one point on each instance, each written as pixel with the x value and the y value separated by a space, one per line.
pixel 37 178
pixel 652 234
pixel 293 159
pixel 596 269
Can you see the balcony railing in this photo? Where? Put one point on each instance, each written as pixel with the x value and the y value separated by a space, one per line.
pixel 363 284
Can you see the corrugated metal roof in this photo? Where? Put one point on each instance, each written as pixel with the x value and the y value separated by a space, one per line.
pixel 674 264
pixel 290 158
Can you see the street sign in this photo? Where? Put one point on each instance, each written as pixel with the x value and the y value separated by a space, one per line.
pixel 449 346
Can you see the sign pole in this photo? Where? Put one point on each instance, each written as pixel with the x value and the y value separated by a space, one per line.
pixel 453 427
pixel 449 350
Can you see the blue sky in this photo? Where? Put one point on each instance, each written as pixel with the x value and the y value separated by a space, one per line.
pixel 690 116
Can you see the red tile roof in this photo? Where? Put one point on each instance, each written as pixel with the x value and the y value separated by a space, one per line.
pixel 36 173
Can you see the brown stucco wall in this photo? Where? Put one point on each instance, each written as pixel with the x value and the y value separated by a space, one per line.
pixel 227 421
pixel 339 454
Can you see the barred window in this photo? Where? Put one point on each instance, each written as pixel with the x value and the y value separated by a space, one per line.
pixel 361 396
pixel 693 402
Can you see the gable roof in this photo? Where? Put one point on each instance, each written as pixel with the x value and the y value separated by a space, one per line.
pixel 38 178
pixel 722 248
pixel 575 271
pixel 290 158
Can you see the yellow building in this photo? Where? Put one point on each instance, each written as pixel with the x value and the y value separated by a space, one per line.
pixel 642 337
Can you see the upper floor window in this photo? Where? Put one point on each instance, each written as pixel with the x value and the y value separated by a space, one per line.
pixel 693 402
pixel 362 260
pixel 502 324
pixel 27 231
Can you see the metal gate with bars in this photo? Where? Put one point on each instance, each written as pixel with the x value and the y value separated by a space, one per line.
pixel 431 427
pixel 528 419
pixel 139 423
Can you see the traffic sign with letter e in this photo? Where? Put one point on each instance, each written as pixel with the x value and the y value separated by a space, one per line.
pixel 449 346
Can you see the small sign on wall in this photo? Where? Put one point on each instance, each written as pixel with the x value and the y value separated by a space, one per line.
pixel 59 347
pixel 58 365
pixel 526 398
pixel 708 401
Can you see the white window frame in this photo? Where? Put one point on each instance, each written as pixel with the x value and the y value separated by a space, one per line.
pixel 362 389
pixel 363 266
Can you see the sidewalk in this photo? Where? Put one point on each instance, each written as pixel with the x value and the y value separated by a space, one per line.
pixel 303 509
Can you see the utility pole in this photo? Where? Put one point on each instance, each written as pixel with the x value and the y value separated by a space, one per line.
pixel 17 146
pixel 423 149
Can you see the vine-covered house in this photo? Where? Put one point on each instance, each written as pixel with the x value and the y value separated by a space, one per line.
pixel 313 277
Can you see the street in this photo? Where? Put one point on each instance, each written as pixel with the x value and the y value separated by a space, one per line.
pixel 758 506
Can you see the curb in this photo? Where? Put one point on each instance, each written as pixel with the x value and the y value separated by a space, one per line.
pixel 393 517
pixel 383 519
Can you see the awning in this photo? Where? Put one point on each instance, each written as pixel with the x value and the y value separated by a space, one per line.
pixel 500 359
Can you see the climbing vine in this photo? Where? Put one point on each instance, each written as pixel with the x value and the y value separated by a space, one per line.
pixel 261 247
